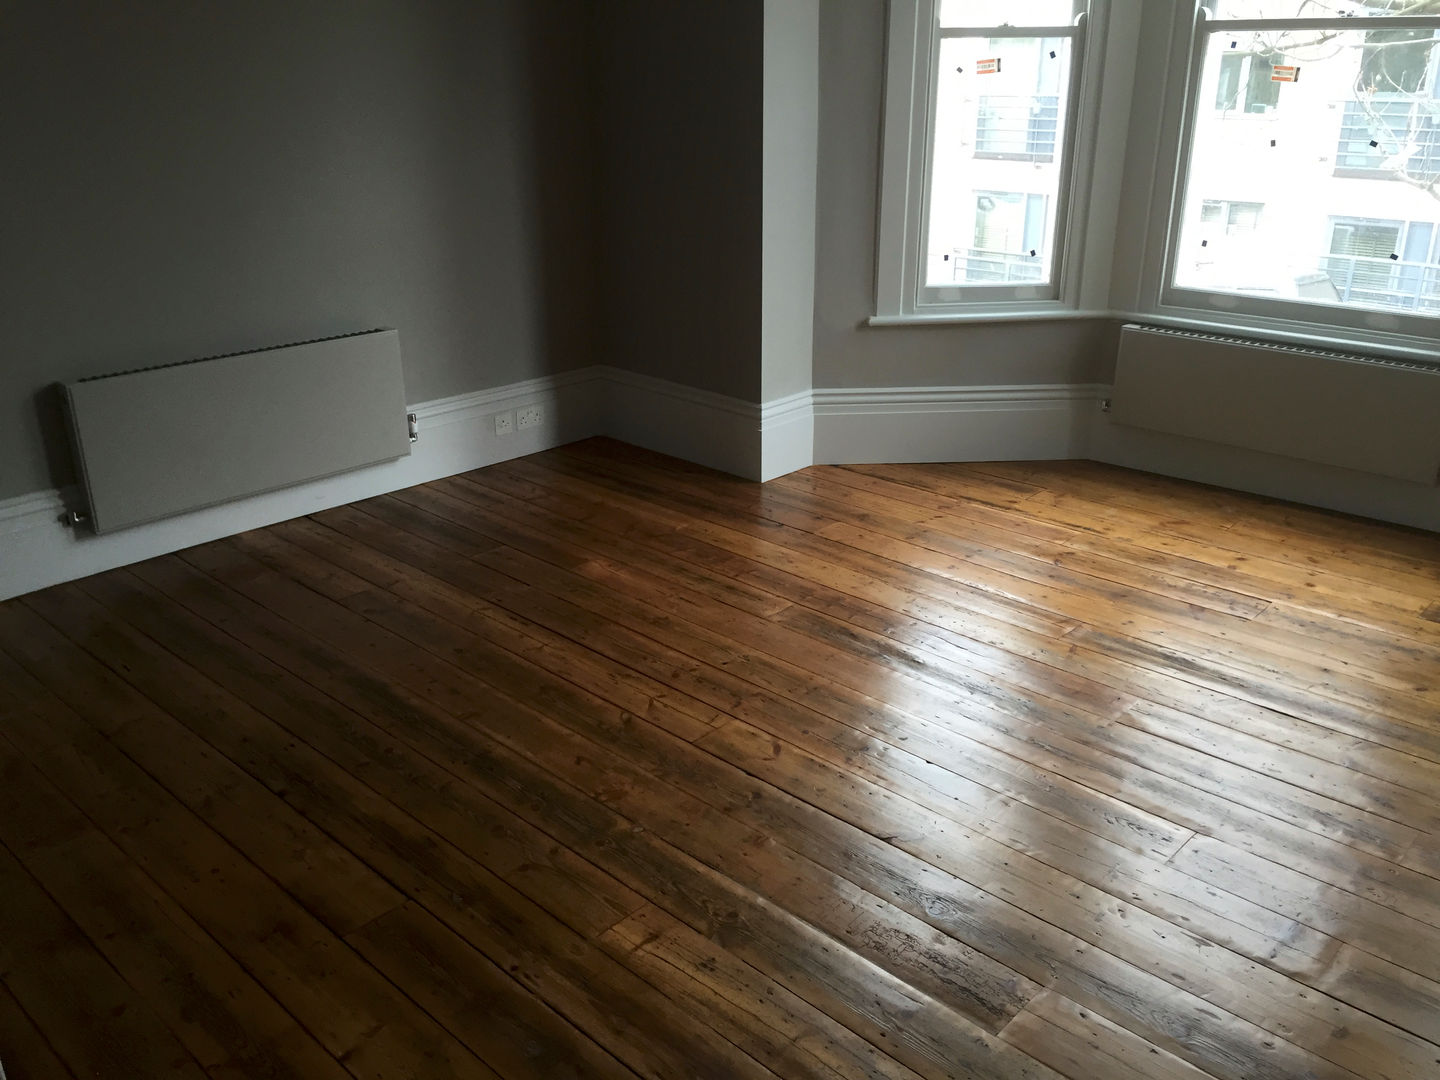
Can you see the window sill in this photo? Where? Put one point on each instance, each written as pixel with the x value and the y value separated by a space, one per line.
pixel 963 318
pixel 1375 344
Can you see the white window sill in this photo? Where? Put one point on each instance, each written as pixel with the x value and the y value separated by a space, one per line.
pixel 961 318
pixel 1318 337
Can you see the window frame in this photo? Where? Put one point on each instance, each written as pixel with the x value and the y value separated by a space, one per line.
pixel 1161 300
pixel 902 240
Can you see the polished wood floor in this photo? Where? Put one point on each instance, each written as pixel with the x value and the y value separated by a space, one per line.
pixel 596 764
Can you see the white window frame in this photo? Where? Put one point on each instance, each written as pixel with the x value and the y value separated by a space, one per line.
pixel 1164 302
pixel 912 63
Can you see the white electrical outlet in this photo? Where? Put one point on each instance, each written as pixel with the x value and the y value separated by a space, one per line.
pixel 529 416
pixel 504 423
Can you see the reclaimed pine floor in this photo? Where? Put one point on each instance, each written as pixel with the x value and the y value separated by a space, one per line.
pixel 597 764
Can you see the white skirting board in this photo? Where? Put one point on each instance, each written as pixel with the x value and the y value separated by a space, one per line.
pixel 825 426
pixel 962 423
pixel 456 435
pixel 696 425
pixel 758 442
pixel 787 436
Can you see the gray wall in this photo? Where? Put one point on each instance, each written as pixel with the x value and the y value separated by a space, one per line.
pixel 847 354
pixel 186 179
pixel 680 98
pixel 791 122
pixel 1149 141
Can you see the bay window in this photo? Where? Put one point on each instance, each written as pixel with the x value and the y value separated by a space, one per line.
pixel 1288 151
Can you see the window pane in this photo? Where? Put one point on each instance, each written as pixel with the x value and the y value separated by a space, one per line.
pixel 1309 190
pixel 955 13
pixel 996 164
pixel 1244 217
pixel 1311 9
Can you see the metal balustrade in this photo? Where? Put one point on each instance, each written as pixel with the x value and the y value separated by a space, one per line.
pixel 1018 128
pixel 977 267
pixel 1387 283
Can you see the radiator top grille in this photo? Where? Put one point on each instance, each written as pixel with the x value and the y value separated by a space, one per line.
pixel 1302 350
pixel 224 356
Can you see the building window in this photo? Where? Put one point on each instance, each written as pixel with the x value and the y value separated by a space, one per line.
pixel 1247 83
pixel 984 102
pixel 1008 226
pixel 1231 218
pixel 1323 112
pixel 1390 138
pixel 1392 126
pixel 1398 62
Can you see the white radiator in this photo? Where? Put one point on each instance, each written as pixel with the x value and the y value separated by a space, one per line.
pixel 1376 416
pixel 164 440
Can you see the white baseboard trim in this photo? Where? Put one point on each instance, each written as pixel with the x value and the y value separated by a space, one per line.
pixel 758 442
pixel 982 423
pixel 24 512
pixel 456 435
pixel 696 425
pixel 787 435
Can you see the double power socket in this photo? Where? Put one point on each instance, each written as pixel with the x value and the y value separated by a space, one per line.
pixel 526 417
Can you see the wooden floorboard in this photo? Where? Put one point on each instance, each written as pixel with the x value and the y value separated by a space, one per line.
pixel 600 764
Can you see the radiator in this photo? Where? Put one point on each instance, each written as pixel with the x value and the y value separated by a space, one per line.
pixel 1376 416
pixel 163 440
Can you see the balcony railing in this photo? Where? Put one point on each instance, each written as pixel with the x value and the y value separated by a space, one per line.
pixel 1406 132
pixel 1018 128
pixel 977 267
pixel 1387 283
